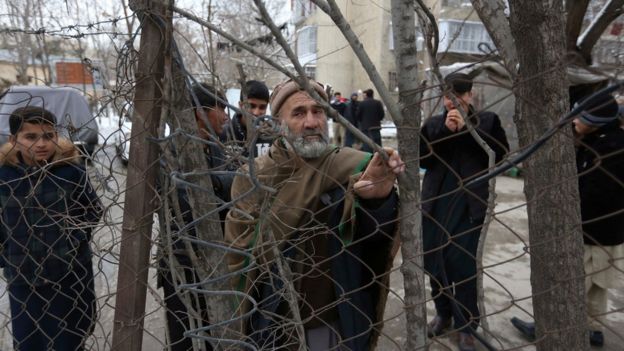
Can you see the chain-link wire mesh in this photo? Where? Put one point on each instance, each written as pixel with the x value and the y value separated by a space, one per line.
pixel 312 265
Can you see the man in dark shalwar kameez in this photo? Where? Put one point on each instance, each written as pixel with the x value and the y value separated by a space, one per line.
pixel 452 214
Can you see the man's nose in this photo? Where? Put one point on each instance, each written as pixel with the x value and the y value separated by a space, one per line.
pixel 310 121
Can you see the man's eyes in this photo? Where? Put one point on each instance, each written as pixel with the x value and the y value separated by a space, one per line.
pixel 34 137
pixel 258 106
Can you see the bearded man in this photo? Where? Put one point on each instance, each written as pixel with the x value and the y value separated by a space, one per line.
pixel 319 227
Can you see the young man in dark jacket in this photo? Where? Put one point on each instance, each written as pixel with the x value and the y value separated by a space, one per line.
pixel 453 216
pixel 211 118
pixel 48 212
pixel 600 165
pixel 256 104
pixel 369 114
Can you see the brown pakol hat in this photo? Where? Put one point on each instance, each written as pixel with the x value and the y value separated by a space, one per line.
pixel 285 89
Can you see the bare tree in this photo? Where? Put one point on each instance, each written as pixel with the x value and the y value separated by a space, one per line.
pixel 19 17
pixel 540 47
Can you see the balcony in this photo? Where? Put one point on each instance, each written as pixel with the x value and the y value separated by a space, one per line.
pixel 462 37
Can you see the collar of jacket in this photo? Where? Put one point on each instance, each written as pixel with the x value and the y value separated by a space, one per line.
pixel 65 153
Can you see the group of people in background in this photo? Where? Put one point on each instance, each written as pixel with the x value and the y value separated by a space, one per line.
pixel 331 210
pixel 365 115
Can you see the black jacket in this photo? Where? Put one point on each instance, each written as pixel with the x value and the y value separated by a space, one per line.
pixel 351 111
pixel 358 269
pixel 369 114
pixel 239 137
pixel 442 151
pixel 600 165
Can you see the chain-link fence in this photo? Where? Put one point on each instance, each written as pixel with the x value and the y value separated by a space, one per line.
pixel 193 240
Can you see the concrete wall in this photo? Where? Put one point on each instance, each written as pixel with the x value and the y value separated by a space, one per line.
pixel 8 73
pixel 336 63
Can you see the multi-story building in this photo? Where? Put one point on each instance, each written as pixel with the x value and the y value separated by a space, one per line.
pixel 325 54
pixel 463 39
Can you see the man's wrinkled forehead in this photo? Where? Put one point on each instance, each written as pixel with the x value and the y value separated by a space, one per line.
pixel 302 99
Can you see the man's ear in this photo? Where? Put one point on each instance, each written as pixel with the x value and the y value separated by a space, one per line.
pixel 198 118
pixel 241 104
pixel 12 139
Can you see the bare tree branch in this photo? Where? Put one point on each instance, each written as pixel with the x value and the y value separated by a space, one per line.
pixel 576 12
pixel 305 83
pixel 492 14
pixel 590 36
pixel 332 9
pixel 231 38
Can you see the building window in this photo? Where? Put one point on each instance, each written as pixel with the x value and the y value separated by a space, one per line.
pixel 463 37
pixel 306 42
pixel 301 9
pixel 310 71
pixel 393 83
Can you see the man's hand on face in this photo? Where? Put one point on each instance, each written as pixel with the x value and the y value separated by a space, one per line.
pixel 378 178
pixel 454 120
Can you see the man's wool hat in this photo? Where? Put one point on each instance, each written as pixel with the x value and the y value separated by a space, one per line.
pixel 460 82
pixel 285 89
pixel 600 111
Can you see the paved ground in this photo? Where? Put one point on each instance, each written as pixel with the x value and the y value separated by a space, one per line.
pixel 507 283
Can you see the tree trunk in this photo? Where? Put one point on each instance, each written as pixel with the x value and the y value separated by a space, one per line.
pixel 408 127
pixel 141 198
pixel 556 243
pixel 492 14
pixel 208 258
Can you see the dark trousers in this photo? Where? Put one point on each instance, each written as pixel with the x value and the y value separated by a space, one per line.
pixel 55 316
pixel 375 134
pixel 452 269
pixel 177 313
pixel 349 138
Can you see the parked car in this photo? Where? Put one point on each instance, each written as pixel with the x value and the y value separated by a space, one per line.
pixel 74 119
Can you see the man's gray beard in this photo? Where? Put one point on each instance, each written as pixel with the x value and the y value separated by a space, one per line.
pixel 303 147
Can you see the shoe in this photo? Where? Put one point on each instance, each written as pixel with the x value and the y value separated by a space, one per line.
pixel 526 328
pixel 596 338
pixel 438 325
pixel 466 342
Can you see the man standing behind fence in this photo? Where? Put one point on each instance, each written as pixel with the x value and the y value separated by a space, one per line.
pixel 339 104
pixel 321 242
pixel 255 104
pixel 369 114
pixel 350 114
pixel 210 117
pixel 48 212
pixel 453 217
pixel 600 165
